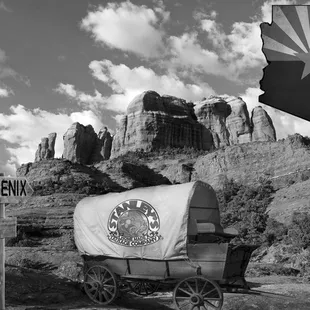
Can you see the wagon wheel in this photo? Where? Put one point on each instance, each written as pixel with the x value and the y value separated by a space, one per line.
pixel 100 285
pixel 143 287
pixel 196 293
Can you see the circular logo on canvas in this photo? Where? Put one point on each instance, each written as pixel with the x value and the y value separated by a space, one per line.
pixel 134 223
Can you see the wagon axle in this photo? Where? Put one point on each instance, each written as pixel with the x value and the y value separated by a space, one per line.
pixel 196 300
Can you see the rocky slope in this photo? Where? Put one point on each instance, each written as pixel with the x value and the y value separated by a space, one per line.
pixel 45 222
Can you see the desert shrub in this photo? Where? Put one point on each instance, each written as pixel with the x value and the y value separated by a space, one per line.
pixel 299 231
pixel 244 207
pixel 274 232
pixel 23 236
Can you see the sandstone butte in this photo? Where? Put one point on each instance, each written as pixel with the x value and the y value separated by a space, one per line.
pixel 154 122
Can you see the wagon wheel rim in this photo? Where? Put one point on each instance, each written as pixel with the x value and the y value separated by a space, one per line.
pixel 197 293
pixel 101 285
pixel 143 287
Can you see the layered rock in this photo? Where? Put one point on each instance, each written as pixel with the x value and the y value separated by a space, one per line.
pixel 46 149
pixel 154 122
pixel 105 139
pixel 212 113
pixel 238 122
pixel 79 143
pixel 263 129
pixel 228 120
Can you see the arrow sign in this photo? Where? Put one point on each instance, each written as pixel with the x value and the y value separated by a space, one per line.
pixel 12 190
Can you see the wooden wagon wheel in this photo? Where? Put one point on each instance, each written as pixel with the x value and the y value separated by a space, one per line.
pixel 196 293
pixel 101 285
pixel 143 287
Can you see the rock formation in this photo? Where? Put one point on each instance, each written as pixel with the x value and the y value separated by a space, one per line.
pixel 46 149
pixel 82 145
pixel 238 122
pixel 228 120
pixel 263 129
pixel 154 122
pixel 79 143
pixel 212 113
pixel 106 143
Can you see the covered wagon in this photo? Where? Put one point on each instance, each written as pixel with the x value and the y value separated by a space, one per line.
pixel 159 234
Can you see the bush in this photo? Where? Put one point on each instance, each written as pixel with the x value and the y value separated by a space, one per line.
pixel 274 232
pixel 299 230
pixel 244 207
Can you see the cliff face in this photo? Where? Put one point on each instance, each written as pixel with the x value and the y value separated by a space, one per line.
pixel 79 142
pixel 153 122
pixel 228 120
pixel 212 113
pixel 82 145
pixel 263 129
pixel 46 149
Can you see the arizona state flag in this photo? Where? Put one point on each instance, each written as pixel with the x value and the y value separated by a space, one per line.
pixel 286 45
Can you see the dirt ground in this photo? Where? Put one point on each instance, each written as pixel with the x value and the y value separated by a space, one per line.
pixel 34 289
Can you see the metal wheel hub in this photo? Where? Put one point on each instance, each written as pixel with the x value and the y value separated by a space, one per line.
pixel 196 300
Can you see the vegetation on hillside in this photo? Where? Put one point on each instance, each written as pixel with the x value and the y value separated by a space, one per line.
pixel 244 208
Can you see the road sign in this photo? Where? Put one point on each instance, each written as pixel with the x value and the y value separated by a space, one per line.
pixel 12 190
pixel 8 227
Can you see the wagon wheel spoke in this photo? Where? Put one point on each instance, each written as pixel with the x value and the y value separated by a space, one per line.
pixel 94 280
pixel 107 280
pixel 100 297
pixel 205 294
pixel 204 285
pixel 108 291
pixel 139 287
pixel 108 285
pixel 184 291
pixel 103 275
pixel 210 305
pixel 92 287
pixel 104 293
pixel 145 288
pixel 196 283
pixel 188 285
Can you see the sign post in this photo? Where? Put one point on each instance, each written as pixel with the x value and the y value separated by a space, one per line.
pixel 12 190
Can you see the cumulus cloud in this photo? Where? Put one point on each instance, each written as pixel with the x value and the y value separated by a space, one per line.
pixel 235 55
pixel 127 82
pixel 5 91
pixel 23 130
pixel 188 53
pixel 128 27
pixel 284 123
pixel 94 102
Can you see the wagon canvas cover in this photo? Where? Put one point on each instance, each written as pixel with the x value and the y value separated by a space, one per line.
pixel 148 223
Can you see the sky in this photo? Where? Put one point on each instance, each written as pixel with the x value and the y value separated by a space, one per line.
pixel 84 61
